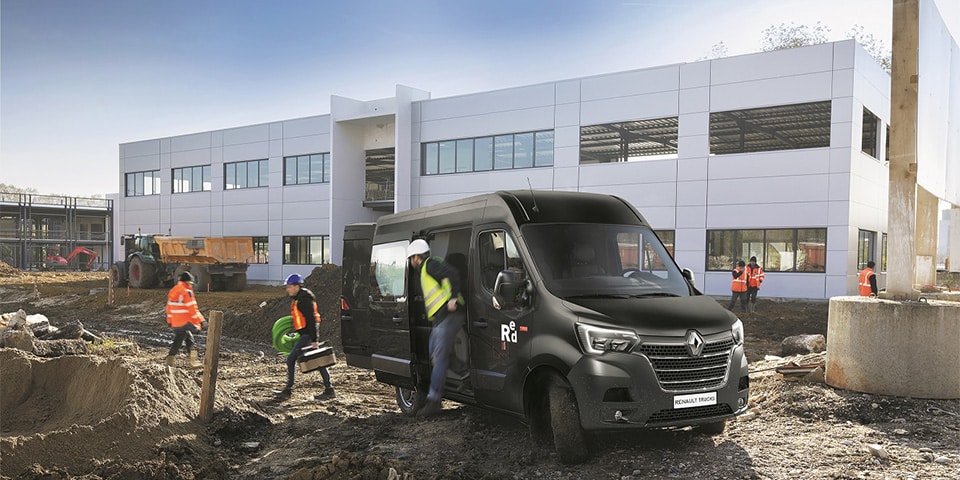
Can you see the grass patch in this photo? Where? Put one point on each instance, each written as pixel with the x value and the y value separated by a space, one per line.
pixel 110 346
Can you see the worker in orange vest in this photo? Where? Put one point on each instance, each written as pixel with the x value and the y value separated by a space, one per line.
pixel 184 318
pixel 754 279
pixel 868 281
pixel 306 318
pixel 739 287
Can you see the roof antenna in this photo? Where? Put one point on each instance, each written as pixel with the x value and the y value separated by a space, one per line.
pixel 535 208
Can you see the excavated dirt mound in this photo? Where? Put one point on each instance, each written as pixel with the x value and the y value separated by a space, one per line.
pixel 7 271
pixel 78 414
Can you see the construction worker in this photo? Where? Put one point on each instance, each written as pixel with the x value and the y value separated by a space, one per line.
pixel 739 287
pixel 868 281
pixel 306 317
pixel 440 288
pixel 184 318
pixel 754 279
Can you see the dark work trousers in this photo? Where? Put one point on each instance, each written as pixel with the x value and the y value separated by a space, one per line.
pixel 442 336
pixel 743 301
pixel 296 353
pixel 752 294
pixel 181 335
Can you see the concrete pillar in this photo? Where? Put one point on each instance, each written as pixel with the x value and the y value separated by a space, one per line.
pixel 927 214
pixel 907 349
pixel 902 208
pixel 953 251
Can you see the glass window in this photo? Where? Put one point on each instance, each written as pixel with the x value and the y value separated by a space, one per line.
pixel 290 171
pixel 811 250
pixel 780 254
pixel 448 157
pixel 306 250
pixel 750 244
pixel 784 127
pixel 388 263
pixel 503 152
pixel 629 141
pixel 304 169
pixel 483 154
pixel 523 150
pixel 241 176
pixel 261 250
pixel 543 148
pixel 865 248
pixel 870 133
pixel 431 159
pixel 465 155
pixel 230 176
pixel 668 238
pixel 191 179
pixel 720 252
pixel 316 169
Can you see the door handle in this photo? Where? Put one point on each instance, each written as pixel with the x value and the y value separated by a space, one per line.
pixel 396 320
pixel 480 323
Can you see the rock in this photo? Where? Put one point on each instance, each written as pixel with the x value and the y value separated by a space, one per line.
pixel 803 344
pixel 19 338
pixel 877 451
pixel 58 348
pixel 899 431
pixel 16 319
pixel 816 376
pixel 250 446
pixel 942 460
pixel 89 336
pixel 392 474
pixel 71 330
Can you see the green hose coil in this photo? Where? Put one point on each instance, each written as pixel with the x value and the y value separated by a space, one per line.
pixel 283 337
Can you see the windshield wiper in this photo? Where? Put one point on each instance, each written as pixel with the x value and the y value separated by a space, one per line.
pixel 654 294
pixel 598 295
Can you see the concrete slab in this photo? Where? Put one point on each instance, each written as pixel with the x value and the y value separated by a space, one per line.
pixel 900 348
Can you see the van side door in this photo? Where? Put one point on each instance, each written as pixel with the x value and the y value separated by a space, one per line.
pixel 355 304
pixel 499 334
pixel 389 324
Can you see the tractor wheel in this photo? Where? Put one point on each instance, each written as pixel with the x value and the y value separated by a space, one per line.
pixel 118 275
pixel 142 274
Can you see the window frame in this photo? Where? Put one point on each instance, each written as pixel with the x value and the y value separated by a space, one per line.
pixel 306 177
pixel 205 177
pixel 303 248
pixel 446 157
pixel 262 164
pixel 732 247
pixel 139 179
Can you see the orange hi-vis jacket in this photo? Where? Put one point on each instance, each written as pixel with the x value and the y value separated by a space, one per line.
pixel 754 276
pixel 299 321
pixel 182 306
pixel 865 289
pixel 739 281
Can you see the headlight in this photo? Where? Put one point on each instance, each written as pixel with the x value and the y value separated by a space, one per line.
pixel 737 331
pixel 598 340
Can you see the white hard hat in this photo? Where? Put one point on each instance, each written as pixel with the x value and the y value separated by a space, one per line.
pixel 417 247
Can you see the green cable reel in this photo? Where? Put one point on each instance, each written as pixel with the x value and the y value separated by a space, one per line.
pixel 283 336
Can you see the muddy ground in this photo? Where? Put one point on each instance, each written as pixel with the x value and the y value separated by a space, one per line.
pixel 118 413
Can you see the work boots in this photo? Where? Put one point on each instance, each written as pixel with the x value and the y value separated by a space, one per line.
pixel 170 361
pixel 193 361
pixel 752 307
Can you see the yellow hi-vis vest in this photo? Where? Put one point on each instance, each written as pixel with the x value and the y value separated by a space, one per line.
pixel 435 294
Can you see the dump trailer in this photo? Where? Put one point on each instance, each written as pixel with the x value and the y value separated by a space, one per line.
pixel 216 263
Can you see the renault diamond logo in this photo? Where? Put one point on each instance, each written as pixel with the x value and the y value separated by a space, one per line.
pixel 694 343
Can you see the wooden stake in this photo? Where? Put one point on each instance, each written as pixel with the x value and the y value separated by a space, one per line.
pixel 210 364
pixel 109 291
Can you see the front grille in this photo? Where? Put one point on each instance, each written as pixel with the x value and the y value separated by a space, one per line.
pixel 680 414
pixel 677 371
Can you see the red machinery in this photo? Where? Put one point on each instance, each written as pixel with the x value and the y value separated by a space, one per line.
pixel 58 262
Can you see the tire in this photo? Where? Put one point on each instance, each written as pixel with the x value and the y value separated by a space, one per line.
pixel 201 278
pixel 410 401
pixel 237 282
pixel 118 275
pixel 142 274
pixel 715 428
pixel 569 439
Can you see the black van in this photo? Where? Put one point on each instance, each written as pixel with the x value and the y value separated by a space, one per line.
pixel 578 319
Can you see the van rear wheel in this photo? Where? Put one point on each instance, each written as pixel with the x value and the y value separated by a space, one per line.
pixel 569 439
pixel 410 401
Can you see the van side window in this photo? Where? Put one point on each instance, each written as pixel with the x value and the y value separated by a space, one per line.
pixel 498 252
pixel 388 264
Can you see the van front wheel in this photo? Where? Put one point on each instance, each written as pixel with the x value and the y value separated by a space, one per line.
pixel 410 400
pixel 568 437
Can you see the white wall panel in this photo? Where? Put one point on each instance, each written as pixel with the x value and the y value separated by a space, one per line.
pixel 783 215
pixel 540 118
pixel 251 133
pixel 302 127
pixel 772 190
pixel 843 83
pixel 633 83
pixel 692 193
pixel 244 229
pixel 694 124
pixel 306 145
pixel 567 114
pixel 246 151
pixel 777 64
pixel 629 173
pixel 190 158
pixel 695 100
pixel 139 164
pixel 234 213
pixel 771 92
pixel 568 92
pixel 566 137
pixel 566 156
pixel 693 75
pixel 136 149
pixel 190 142
pixel 692 217
pixel 480 104
pixel 689 169
pixel 843 54
pixel 637 107
pixel 799 163
pixel 839 187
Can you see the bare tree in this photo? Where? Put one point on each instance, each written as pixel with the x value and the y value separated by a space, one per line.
pixel 783 36
pixel 872 45
pixel 719 50
pixel 4 188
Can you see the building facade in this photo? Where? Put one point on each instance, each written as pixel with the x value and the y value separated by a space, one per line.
pixel 47 232
pixel 779 155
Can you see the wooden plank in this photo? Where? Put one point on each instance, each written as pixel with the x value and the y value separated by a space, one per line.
pixel 211 361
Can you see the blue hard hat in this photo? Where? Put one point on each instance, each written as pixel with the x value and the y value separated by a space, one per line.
pixel 294 279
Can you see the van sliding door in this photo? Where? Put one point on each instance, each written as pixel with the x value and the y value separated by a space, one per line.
pixel 389 323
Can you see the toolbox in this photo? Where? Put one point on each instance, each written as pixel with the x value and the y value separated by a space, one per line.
pixel 314 358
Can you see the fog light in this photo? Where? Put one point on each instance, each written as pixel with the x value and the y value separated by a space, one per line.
pixel 741 402
pixel 618 416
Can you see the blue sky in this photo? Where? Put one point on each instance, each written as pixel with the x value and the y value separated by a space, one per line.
pixel 77 78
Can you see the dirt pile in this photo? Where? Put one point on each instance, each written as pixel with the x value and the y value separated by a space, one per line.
pixel 80 414
pixel 7 271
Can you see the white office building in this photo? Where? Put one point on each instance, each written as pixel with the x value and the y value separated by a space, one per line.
pixel 779 155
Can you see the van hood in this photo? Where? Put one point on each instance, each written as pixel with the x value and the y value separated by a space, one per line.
pixel 660 316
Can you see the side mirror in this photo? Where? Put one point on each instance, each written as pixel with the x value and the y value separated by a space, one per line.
pixel 688 274
pixel 509 288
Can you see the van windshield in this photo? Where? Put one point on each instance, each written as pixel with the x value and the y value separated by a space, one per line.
pixel 597 260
